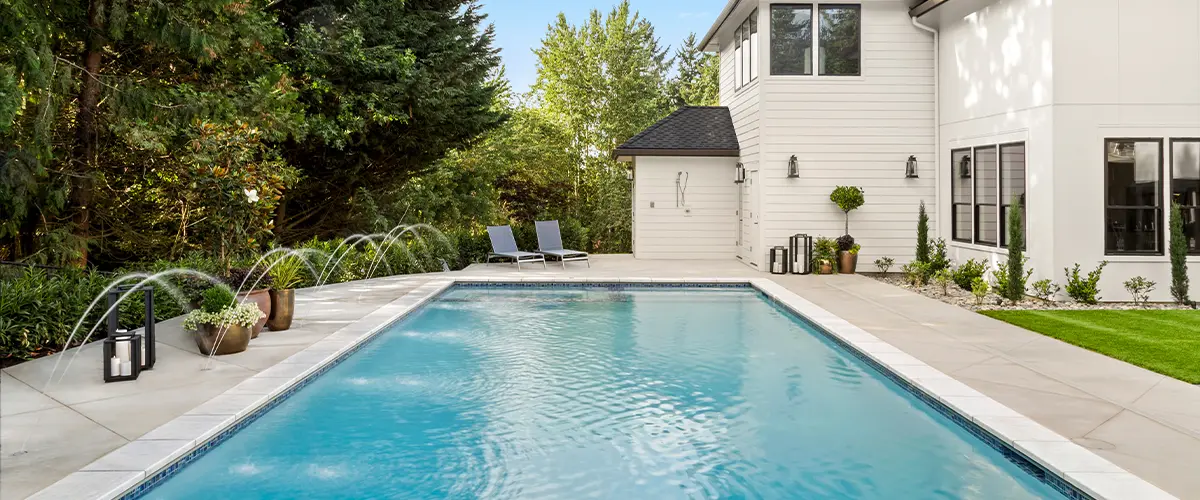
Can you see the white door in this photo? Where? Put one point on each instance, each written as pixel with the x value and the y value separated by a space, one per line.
pixel 748 217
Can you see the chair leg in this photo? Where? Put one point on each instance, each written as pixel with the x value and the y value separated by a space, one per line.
pixel 518 264
pixel 589 262
pixel 544 263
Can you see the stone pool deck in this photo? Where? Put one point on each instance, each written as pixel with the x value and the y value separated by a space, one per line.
pixel 1146 423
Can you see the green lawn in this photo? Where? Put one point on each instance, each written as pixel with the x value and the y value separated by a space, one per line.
pixel 1167 342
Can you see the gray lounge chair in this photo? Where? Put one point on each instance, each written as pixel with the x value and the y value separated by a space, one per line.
pixel 550 243
pixel 505 245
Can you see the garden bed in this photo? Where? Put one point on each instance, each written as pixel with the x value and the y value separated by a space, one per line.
pixel 993 302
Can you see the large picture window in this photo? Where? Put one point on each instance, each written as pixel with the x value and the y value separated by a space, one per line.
pixel 985 181
pixel 791 39
pixel 960 195
pixel 1133 196
pixel 745 51
pixel 1012 187
pixel 839 42
pixel 1185 187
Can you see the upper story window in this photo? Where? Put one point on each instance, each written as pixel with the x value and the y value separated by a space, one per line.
pixel 745 51
pixel 838 44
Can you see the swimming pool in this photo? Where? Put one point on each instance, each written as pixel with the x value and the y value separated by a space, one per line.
pixel 609 392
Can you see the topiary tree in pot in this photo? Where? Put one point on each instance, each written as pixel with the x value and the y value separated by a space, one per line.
pixel 847 198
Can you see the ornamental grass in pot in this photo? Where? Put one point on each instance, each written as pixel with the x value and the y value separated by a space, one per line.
pixel 285 275
pixel 254 287
pixel 222 325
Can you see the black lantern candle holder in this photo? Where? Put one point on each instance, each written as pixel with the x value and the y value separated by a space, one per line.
pixel 800 247
pixel 122 357
pixel 779 260
pixel 146 355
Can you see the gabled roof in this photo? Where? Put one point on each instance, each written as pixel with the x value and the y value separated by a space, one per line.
pixel 689 131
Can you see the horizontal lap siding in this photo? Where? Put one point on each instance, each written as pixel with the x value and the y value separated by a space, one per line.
pixel 700 224
pixel 855 131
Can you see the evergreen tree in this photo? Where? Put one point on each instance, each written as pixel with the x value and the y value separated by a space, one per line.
pixel 389 89
pixel 1179 250
pixel 696 82
pixel 1016 255
pixel 922 234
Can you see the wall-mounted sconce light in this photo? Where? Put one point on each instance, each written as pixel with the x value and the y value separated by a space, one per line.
pixel 964 167
pixel 739 173
pixel 910 168
pixel 793 168
pixel 629 174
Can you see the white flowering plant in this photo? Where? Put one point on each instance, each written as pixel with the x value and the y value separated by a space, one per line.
pixel 243 314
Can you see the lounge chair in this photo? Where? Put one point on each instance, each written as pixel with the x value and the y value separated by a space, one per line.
pixel 505 245
pixel 550 243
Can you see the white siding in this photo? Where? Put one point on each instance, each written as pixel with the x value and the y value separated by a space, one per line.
pixel 744 103
pixel 856 131
pixel 698 223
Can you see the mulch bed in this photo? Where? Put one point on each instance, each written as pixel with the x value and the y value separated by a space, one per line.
pixel 963 298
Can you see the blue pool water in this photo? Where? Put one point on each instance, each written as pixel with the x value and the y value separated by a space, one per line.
pixel 599 393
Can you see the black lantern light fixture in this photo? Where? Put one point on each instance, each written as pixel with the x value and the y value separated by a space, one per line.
pixel 739 173
pixel 779 260
pixel 629 174
pixel 964 167
pixel 145 344
pixel 800 248
pixel 793 168
pixel 910 167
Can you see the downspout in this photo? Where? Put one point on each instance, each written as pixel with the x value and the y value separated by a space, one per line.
pixel 937 124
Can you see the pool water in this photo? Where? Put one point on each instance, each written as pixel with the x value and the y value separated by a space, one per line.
pixel 491 392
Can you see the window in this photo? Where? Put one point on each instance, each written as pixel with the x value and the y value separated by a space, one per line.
pixel 1012 187
pixel 987 220
pixel 1133 196
pixel 960 195
pixel 791 39
pixel 745 51
pixel 839 40
pixel 984 182
pixel 1185 187
pixel 839 43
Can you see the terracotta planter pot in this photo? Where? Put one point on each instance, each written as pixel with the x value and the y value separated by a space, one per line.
pixel 263 299
pixel 283 307
pixel 847 262
pixel 211 340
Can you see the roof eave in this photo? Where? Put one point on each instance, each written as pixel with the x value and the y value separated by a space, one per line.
pixel 627 154
pixel 712 31
pixel 925 7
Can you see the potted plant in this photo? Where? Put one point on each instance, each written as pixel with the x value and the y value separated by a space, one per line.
pixel 253 287
pixel 847 198
pixel 285 275
pixel 824 256
pixel 222 325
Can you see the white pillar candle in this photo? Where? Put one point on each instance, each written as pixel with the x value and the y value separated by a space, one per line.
pixel 114 366
pixel 126 368
pixel 122 350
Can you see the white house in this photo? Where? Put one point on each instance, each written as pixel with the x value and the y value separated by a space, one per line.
pixel 1088 110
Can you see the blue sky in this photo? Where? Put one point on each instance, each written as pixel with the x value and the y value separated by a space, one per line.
pixel 520 25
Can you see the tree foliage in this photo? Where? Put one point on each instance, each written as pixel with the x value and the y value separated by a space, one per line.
pixel 697 78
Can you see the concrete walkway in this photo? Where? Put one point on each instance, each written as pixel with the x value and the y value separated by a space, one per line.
pixel 1147 423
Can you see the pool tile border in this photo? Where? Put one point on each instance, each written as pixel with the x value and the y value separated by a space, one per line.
pixel 140 465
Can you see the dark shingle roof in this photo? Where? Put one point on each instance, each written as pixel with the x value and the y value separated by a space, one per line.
pixel 689 131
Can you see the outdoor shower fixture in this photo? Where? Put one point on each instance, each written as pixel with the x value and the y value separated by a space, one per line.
pixel 681 181
pixel 910 167
pixel 793 168
pixel 739 173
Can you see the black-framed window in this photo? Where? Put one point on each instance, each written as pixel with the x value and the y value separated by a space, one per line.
pixel 839 43
pixel 1133 205
pixel 987 206
pixel 745 51
pixel 1012 188
pixel 961 219
pixel 791 39
pixel 1185 187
